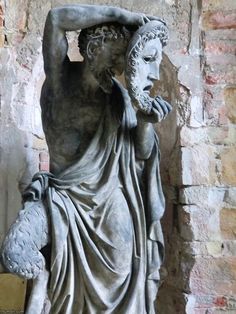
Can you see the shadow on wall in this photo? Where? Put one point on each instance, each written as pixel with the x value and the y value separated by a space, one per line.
pixel 171 292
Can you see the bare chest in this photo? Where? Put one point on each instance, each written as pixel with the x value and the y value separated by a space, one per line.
pixel 72 126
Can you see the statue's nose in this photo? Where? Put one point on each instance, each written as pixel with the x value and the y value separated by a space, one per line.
pixel 154 73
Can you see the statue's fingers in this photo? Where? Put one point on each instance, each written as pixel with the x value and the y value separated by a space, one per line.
pixel 146 19
pixel 156 18
pixel 161 100
pixel 156 107
pixel 157 114
pixel 168 105
pixel 164 108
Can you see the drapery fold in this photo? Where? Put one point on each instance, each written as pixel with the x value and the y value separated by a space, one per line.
pixel 106 236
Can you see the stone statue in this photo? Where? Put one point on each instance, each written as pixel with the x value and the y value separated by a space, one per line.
pixel 98 211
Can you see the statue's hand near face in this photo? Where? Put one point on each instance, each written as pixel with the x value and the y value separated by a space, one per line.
pixel 160 110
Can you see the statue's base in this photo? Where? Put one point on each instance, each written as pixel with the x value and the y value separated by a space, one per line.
pixel 12 294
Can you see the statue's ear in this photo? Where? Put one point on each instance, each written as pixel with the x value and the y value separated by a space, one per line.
pixel 93 49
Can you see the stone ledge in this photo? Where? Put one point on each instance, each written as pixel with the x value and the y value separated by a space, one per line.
pixel 12 294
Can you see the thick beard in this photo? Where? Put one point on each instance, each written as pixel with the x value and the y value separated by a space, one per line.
pixel 140 99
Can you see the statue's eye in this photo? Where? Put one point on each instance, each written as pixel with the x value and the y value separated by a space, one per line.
pixel 149 59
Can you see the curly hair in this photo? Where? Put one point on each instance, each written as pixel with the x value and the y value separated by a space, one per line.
pixel 100 33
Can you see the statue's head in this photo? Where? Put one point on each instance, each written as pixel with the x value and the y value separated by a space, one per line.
pixel 144 55
pixel 104 47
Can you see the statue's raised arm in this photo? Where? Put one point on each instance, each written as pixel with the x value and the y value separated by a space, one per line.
pixel 72 18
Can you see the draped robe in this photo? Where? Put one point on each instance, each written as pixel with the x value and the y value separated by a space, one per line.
pixel 105 211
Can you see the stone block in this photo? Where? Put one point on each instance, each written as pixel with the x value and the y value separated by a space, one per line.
pixel 214 248
pixel 220 34
pixel 214 60
pixel 230 197
pixel 214 275
pixel 229 248
pixel 228 223
pixel 218 5
pixel 220 47
pixel 228 162
pixel 225 134
pixel 220 74
pixel 44 161
pixel 216 114
pixel 199 165
pixel 196 224
pixel 192 136
pixel 12 294
pixel 230 102
pixel 196 113
pixel 202 196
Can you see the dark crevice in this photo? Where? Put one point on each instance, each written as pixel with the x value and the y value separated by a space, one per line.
pixel 190 27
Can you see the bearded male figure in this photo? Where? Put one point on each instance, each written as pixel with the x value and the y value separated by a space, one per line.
pixel 100 206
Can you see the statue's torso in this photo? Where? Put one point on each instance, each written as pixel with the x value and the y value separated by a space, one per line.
pixel 70 120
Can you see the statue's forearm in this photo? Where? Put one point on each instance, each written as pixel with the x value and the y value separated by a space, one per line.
pixel 74 17
pixel 144 139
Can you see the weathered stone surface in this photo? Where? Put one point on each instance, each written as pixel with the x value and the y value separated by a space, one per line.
pixel 198 224
pixel 207 197
pixel 228 223
pixel 230 101
pixel 228 161
pixel 225 135
pixel 218 5
pixel 230 197
pixel 215 274
pixel 198 165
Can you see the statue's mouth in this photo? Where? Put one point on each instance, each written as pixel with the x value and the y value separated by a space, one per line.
pixel 147 88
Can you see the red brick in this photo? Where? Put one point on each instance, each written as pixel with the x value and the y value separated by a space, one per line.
pixel 43 157
pixel 44 161
pixel 220 34
pixel 216 114
pixel 214 60
pixel 211 80
pixel 220 48
pixel 219 20
pixel 228 76
pixel 220 302
pixel 211 301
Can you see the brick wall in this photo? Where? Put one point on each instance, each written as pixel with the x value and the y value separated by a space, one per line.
pixel 210 203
